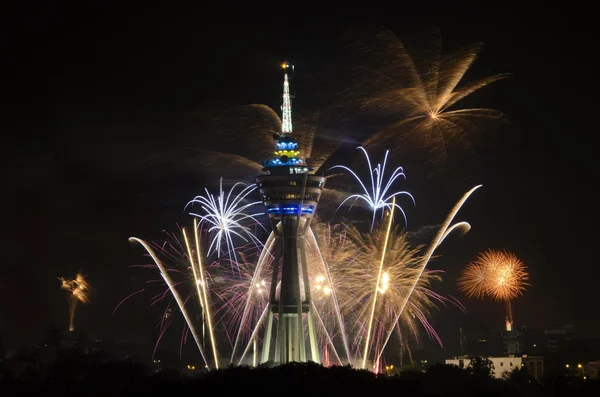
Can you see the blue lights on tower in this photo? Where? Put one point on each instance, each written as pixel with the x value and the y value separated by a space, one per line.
pixel 285 145
pixel 290 209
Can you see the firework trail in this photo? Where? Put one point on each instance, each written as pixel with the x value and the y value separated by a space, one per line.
pixel 190 258
pixel 79 290
pixel 242 299
pixel 251 293
pixel 499 275
pixel 325 246
pixel 446 229
pixel 226 216
pixel 378 195
pixel 419 92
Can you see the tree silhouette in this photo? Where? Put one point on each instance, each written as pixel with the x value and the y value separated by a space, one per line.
pixel 481 367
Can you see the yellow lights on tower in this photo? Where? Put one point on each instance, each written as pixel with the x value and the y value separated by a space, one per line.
pixel 285 65
pixel 289 153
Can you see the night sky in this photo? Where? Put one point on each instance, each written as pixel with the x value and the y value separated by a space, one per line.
pixel 105 105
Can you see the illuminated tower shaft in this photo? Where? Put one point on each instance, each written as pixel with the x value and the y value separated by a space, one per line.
pixel 291 196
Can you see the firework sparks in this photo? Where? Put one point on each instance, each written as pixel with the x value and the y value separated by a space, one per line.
pixel 227 217
pixel 497 274
pixel 257 124
pixel 446 229
pixel 371 292
pixel 378 195
pixel 325 249
pixel 243 299
pixel 79 290
pixel 189 257
pixel 343 268
pixel 422 89
pixel 382 284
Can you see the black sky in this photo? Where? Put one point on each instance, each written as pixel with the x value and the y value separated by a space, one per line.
pixel 100 97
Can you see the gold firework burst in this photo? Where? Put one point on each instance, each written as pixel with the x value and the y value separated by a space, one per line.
pixel 497 274
pixel 420 90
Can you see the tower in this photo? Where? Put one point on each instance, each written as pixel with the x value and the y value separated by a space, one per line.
pixel 291 195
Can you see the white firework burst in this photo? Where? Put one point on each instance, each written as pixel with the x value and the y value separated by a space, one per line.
pixel 379 193
pixel 226 216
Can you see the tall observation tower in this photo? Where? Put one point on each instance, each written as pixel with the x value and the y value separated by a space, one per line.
pixel 291 195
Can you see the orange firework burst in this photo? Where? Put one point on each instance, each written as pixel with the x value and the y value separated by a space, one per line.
pixel 78 290
pixel 497 274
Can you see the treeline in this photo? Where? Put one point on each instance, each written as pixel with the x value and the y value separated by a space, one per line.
pixel 73 373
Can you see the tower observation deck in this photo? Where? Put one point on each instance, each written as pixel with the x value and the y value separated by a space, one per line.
pixel 291 194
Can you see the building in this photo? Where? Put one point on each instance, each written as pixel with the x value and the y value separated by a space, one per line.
pixel 510 342
pixel 591 370
pixel 534 365
pixel 558 339
pixel 501 364
pixel 290 194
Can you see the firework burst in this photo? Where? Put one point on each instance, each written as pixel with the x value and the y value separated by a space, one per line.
pixel 422 91
pixel 78 290
pixel 378 194
pixel 227 217
pixel 347 277
pixel 363 283
pixel 499 275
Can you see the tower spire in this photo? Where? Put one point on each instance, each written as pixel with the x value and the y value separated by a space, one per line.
pixel 287 151
pixel 286 108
